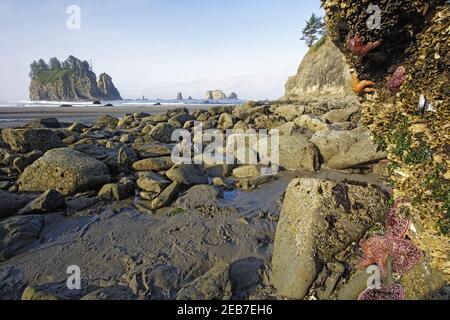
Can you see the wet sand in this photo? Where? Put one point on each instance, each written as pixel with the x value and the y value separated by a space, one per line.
pixel 17 116
pixel 157 255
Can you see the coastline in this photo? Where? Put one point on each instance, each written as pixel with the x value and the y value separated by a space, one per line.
pixel 17 116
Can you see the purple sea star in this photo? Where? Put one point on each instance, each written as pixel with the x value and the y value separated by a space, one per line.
pixel 393 292
pixel 405 254
pixel 397 80
pixel 357 46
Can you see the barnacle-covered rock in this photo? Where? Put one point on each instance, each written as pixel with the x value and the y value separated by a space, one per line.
pixel 414 57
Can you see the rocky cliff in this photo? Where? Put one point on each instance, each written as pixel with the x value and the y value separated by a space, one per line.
pixel 70 80
pixel 323 72
pixel 402 78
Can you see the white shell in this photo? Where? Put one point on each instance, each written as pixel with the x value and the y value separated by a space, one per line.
pixel 422 104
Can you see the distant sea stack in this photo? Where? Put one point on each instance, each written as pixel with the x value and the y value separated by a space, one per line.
pixel 106 86
pixel 215 95
pixel 180 96
pixel 233 96
pixel 70 80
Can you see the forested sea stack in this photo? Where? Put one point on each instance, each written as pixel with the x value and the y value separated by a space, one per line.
pixel 70 80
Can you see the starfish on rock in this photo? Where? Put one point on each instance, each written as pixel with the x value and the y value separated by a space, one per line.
pixel 397 80
pixel 405 254
pixel 361 87
pixel 357 46
pixel 393 292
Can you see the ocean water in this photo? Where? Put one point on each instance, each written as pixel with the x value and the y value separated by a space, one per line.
pixel 122 103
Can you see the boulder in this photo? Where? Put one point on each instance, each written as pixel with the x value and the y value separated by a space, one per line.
pixel 289 112
pixel 247 184
pixel 247 171
pixel 340 115
pixel 26 140
pixel 117 191
pixel 162 132
pixel 152 182
pixel 347 149
pixel 319 220
pixel 188 174
pixel 49 201
pixel 77 127
pixel 11 203
pixel 65 170
pixel 178 121
pixel 126 121
pixel 107 120
pixel 153 164
pixel 152 150
pixel 289 129
pixel 225 121
pixel 243 113
pixel 295 153
pixel 269 122
pixel 18 232
pixel 312 123
pixel 167 196
pixel 157 118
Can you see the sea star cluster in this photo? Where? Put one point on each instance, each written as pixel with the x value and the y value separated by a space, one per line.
pixel 404 253
pixel 393 292
pixel 397 80
pixel 357 46
pixel 360 87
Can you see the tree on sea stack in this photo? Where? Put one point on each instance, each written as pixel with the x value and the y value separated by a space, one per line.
pixel 314 29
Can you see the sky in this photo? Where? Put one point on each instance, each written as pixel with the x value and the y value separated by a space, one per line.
pixel 159 47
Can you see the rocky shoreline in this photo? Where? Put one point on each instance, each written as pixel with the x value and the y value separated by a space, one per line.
pixel 108 198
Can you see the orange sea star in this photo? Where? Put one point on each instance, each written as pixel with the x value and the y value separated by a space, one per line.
pixel 361 87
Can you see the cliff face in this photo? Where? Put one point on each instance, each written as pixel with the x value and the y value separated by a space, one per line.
pixel 67 87
pixel 71 80
pixel 402 77
pixel 107 88
pixel 323 72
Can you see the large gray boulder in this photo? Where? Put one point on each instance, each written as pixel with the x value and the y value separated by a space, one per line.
pixel 65 170
pixel 26 140
pixel 347 149
pixel 188 174
pixel 295 153
pixel 319 220
pixel 162 132
pixel 18 232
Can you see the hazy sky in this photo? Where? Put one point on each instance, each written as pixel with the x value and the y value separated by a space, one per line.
pixel 159 47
